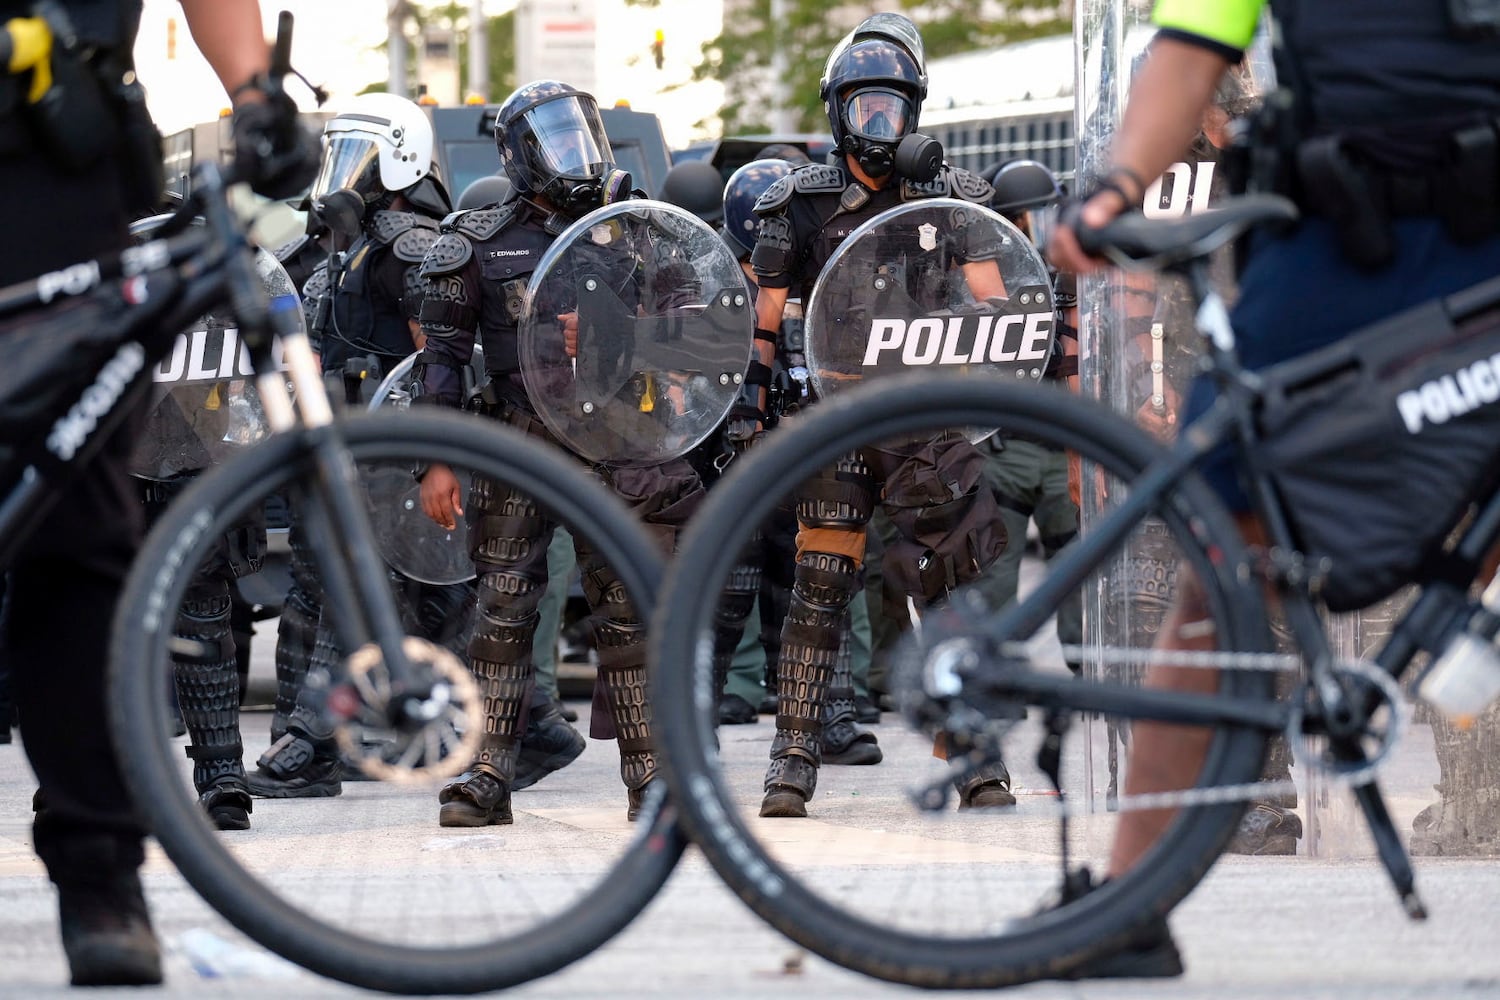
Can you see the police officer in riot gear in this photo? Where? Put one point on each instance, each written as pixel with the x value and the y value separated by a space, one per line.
pixel 554 151
pixel 377 158
pixel 873 86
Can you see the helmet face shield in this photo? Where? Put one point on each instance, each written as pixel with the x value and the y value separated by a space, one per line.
pixel 1042 223
pixel 350 161
pixel 565 138
pixel 880 115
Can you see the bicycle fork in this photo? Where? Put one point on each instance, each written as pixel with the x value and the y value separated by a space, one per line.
pixel 354 576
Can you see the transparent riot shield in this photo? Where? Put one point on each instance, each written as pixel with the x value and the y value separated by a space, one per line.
pixel 1137 351
pixel 411 542
pixel 205 402
pixel 635 335
pixel 935 285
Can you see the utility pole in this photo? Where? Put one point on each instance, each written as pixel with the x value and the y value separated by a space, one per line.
pixel 395 37
pixel 783 119
pixel 479 59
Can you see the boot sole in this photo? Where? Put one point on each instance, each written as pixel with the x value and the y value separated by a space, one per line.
pixel 230 819
pixel 115 965
pixel 1006 801
pixel 308 792
pixel 784 804
pixel 462 814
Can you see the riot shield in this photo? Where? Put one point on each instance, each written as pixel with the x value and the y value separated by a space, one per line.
pixel 410 542
pixel 636 332
pixel 205 402
pixel 937 284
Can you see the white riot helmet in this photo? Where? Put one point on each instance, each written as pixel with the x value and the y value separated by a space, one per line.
pixel 378 143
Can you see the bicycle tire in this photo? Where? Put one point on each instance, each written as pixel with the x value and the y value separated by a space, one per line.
pixel 152 767
pixel 1105 918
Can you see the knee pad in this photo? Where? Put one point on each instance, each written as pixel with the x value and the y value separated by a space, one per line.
pixel 841 497
pixel 506 529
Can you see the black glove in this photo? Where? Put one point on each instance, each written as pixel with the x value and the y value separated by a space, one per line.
pixel 272 151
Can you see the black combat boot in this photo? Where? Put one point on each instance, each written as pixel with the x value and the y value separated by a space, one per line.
pixel 844 740
pixel 208 694
pixel 481 795
pixel 549 744
pixel 987 788
pixel 106 929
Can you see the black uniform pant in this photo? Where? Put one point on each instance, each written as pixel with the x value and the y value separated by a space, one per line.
pixel 65 583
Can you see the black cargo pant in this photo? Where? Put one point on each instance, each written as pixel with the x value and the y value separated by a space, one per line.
pixel 64 585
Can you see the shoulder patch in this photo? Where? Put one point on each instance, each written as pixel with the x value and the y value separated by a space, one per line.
pixel 287 251
pixel 482 223
pixel 968 185
pixel 412 245
pixel 774 197
pixel 450 252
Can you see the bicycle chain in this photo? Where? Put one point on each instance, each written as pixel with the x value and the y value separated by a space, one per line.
pixel 1223 794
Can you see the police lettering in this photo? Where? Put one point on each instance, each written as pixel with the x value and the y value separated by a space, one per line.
pixel 72 430
pixel 69 281
pixel 205 356
pixel 961 340
pixel 1450 396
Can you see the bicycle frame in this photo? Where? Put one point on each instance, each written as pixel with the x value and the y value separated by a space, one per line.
pixel 172 280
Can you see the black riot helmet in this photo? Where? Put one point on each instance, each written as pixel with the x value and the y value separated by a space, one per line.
pixel 695 185
pixel 872 88
pixel 552 143
pixel 1028 194
pixel 489 190
pixel 743 190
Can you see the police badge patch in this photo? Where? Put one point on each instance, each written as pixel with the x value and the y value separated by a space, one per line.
pixel 927 236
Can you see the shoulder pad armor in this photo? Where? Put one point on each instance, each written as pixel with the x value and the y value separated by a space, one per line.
pixel 807 178
pixel 774 197
pixel 316 285
pixel 287 251
pixel 481 223
pixel 968 185
pixel 386 226
pixel 447 254
pixel 412 245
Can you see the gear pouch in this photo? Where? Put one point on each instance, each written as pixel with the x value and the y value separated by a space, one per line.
pixel 1379 443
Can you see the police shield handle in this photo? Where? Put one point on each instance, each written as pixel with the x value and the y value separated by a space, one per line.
pixel 442 496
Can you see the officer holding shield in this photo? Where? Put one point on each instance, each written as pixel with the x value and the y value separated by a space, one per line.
pixel 872 87
pixel 555 153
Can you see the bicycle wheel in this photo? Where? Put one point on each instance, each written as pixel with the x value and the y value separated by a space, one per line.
pixel 364 886
pixel 950 898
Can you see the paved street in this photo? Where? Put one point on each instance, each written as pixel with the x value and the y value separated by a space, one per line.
pixel 1303 927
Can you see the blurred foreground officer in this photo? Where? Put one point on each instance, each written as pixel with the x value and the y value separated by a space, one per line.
pixel 1386 123
pixel 73 206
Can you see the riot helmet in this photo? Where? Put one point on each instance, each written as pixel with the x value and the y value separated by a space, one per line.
pixel 490 190
pixel 872 89
pixel 783 151
pixel 744 189
pixel 552 143
pixel 380 144
pixel 1027 194
pixel 697 186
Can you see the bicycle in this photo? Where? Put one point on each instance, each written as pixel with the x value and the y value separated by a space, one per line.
pixel 402 705
pixel 935 898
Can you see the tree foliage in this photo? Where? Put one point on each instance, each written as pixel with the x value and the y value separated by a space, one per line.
pixel 741 57
pixel 500 47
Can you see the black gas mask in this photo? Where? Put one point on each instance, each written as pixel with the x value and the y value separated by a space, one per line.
pixel 878 123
